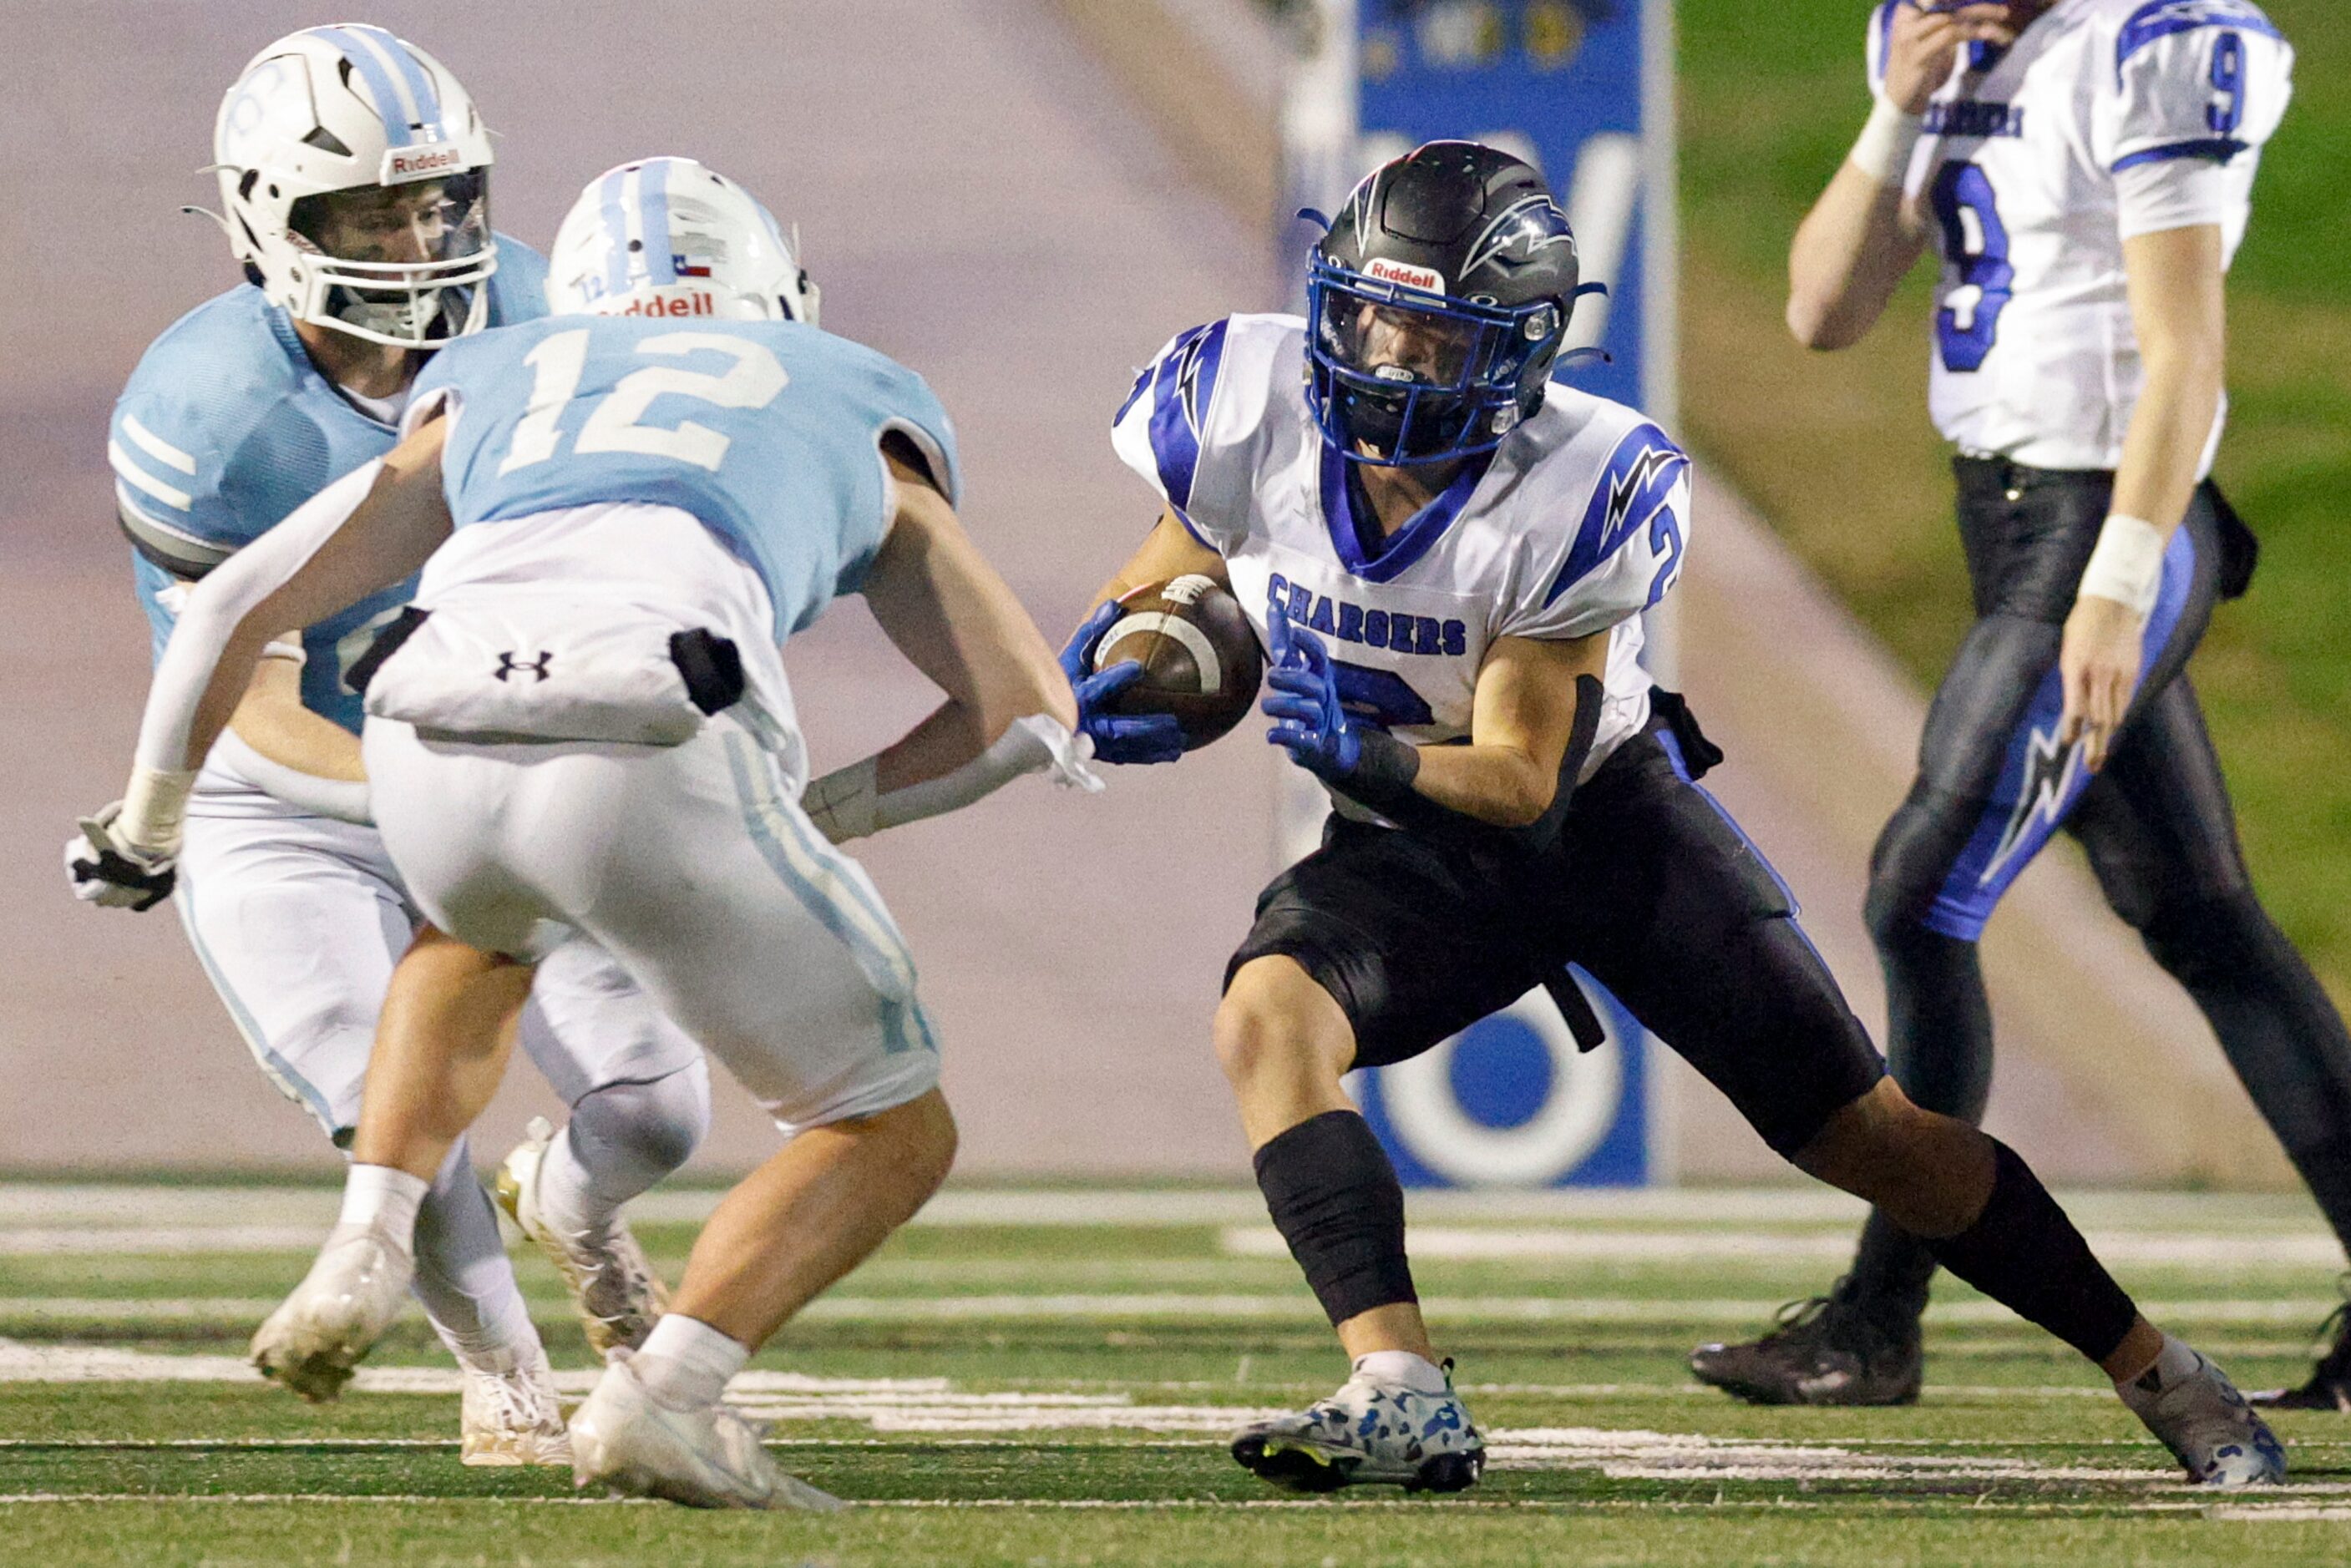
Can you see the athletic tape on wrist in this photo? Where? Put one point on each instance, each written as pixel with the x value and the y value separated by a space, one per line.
pixel 154 804
pixel 842 803
pixel 2127 565
pixel 1883 150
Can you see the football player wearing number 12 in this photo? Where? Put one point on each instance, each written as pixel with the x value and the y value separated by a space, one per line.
pixel 2084 170
pixel 354 176
pixel 1447 556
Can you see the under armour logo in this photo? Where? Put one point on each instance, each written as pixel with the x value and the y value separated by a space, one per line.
pixel 509 665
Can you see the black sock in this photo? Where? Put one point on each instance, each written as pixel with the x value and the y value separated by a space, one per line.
pixel 1938 1048
pixel 2024 1253
pixel 1335 1200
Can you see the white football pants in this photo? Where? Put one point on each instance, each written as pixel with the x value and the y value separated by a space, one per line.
pixel 694 866
pixel 299 921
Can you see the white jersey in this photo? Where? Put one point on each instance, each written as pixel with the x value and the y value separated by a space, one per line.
pixel 1575 526
pixel 2107 119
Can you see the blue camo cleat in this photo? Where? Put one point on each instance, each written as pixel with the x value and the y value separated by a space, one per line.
pixel 2208 1427
pixel 1370 1432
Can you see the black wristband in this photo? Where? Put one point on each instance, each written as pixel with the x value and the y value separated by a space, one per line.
pixel 1384 773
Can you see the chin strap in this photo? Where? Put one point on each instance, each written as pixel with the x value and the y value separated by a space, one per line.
pixel 847 804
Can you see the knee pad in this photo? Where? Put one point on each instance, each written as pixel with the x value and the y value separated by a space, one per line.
pixel 657 1123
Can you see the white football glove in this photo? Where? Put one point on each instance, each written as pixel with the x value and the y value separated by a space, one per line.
pixel 111 872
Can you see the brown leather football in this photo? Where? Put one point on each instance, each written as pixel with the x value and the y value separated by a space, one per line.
pixel 1199 655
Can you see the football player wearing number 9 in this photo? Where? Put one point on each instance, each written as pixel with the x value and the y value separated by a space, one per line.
pixel 621 512
pixel 354 173
pixel 1447 556
pixel 2084 172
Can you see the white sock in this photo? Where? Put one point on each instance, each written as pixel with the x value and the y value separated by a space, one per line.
pixel 384 1198
pixel 687 1363
pixel 463 1276
pixel 1417 1373
pixel 2175 1363
pixel 567 1192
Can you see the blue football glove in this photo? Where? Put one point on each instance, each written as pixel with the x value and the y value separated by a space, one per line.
pixel 1117 737
pixel 1304 706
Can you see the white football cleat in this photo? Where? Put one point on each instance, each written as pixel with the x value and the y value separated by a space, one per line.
pixel 511 1414
pixel 625 1440
pixel 613 1288
pixel 2208 1427
pixel 1370 1431
pixel 314 1341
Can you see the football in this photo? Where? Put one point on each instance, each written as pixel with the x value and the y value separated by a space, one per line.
pixel 1199 655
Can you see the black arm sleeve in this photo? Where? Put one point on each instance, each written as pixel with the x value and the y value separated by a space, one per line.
pixel 1384 782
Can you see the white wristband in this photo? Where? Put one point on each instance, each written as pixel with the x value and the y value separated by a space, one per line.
pixel 289 648
pixel 154 806
pixel 2127 565
pixel 1883 152
pixel 842 804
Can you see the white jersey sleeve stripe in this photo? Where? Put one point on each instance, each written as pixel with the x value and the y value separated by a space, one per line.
pixel 175 550
pixel 171 495
pixel 156 447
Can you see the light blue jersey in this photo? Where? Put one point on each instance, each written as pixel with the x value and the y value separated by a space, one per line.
pixel 767 431
pixel 226 426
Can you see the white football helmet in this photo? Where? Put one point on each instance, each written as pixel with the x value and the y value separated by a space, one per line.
pixel 354 172
pixel 665 236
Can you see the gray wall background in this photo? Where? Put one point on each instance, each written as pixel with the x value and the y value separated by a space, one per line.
pixel 976 200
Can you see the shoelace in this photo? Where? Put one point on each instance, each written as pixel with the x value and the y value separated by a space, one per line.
pixel 594 1262
pixel 517 1403
pixel 1798 1313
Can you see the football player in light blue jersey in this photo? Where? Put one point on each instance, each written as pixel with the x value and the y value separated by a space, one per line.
pixel 353 171
pixel 621 512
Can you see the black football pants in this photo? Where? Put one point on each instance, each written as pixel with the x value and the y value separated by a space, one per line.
pixel 2156 824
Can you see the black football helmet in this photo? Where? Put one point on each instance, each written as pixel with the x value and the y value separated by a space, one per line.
pixel 1436 303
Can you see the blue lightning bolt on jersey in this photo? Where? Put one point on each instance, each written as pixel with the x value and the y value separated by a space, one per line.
pixel 226 426
pixel 767 431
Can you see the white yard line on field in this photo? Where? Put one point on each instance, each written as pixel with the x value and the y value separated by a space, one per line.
pixel 933 1407
pixel 59 1206
pixel 1453 1243
pixel 1226 1307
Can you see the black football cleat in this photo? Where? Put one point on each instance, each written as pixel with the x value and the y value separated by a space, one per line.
pixel 1829 1350
pixel 2329 1386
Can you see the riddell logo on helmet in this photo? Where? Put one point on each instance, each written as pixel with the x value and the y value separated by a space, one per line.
pixel 403 164
pixel 696 302
pixel 1420 277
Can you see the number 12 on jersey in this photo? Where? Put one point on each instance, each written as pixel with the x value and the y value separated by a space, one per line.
pixel 558 362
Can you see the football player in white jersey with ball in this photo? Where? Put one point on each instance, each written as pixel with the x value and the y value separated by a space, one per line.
pixel 621 512
pixel 2083 171
pixel 354 173
pixel 1446 555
